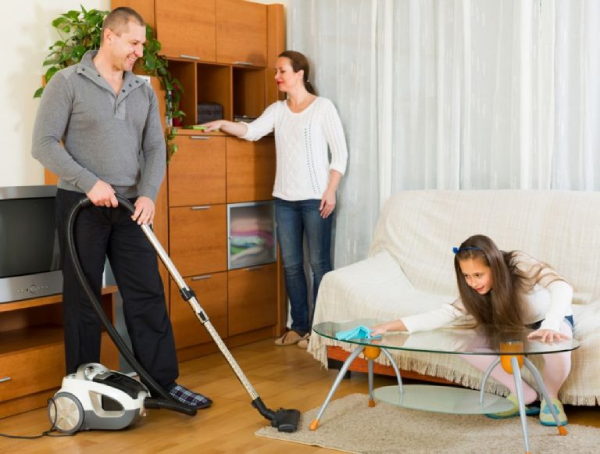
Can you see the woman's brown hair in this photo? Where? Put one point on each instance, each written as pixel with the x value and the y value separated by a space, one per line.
pixel 300 63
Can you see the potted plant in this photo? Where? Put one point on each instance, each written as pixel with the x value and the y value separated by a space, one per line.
pixel 80 31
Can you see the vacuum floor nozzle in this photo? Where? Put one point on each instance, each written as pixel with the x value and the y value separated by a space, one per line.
pixel 286 420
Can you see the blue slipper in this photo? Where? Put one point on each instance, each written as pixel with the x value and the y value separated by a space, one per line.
pixel 529 411
pixel 546 418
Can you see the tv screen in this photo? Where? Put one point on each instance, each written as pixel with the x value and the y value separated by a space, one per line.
pixel 29 254
pixel 28 241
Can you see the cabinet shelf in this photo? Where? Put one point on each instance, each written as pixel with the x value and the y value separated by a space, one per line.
pixel 32 337
pixel 44 301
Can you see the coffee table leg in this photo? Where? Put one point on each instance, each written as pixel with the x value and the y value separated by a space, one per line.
pixel 514 361
pixel 396 370
pixel 370 370
pixel 542 386
pixel 314 425
pixel 484 380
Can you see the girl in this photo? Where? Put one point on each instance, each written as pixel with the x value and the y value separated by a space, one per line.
pixel 307 127
pixel 508 289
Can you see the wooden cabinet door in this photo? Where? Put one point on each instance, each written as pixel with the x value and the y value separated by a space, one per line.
pixel 197 171
pixel 198 239
pixel 250 170
pixel 211 292
pixel 241 33
pixel 252 296
pixel 186 28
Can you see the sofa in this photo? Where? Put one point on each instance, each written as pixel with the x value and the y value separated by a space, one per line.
pixel 409 270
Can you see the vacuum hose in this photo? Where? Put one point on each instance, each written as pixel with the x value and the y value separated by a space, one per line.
pixel 165 400
pixel 284 420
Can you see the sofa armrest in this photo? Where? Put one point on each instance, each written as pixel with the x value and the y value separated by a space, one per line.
pixel 374 288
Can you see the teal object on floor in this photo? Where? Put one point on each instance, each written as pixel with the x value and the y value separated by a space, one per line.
pixel 360 332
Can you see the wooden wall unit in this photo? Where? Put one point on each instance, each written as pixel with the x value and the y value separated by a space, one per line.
pixel 32 354
pixel 224 52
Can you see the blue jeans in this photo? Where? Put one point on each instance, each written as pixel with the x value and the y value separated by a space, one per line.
pixel 294 220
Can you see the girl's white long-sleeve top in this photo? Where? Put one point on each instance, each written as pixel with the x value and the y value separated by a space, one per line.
pixel 301 141
pixel 548 300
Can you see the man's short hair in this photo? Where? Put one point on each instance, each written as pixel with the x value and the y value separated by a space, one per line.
pixel 118 20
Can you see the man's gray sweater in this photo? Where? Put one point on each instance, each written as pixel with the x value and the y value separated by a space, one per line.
pixel 114 138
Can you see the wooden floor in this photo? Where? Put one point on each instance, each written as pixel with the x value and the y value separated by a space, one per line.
pixel 283 376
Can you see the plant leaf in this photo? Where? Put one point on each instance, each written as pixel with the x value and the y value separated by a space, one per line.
pixel 51 71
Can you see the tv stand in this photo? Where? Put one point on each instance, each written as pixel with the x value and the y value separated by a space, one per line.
pixel 32 359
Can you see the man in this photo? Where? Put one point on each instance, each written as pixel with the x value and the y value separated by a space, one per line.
pixel 110 126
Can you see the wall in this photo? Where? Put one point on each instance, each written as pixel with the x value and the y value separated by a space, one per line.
pixel 26 33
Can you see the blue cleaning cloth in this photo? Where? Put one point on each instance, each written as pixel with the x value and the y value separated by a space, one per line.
pixel 360 332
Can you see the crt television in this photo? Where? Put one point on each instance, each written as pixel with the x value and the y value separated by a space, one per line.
pixel 29 254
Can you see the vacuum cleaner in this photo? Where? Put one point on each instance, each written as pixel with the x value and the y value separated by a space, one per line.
pixel 98 398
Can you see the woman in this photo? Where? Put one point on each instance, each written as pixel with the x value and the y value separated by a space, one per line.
pixel 307 127
pixel 510 289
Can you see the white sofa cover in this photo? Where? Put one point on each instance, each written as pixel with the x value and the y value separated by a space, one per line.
pixel 410 270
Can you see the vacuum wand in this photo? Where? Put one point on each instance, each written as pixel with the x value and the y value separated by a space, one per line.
pixel 284 420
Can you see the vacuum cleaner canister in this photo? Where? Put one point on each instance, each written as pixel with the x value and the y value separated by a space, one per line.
pixel 97 398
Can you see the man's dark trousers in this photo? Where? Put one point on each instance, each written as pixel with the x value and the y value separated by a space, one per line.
pixel 100 232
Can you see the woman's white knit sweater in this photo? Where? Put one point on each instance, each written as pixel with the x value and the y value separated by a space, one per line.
pixel 302 140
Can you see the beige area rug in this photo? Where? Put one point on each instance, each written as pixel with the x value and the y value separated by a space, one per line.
pixel 350 425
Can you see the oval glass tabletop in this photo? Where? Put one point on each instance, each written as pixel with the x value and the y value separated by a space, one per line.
pixel 483 340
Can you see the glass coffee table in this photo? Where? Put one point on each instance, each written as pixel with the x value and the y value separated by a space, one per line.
pixel 511 346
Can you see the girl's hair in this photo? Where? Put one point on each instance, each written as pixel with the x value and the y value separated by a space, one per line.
pixel 503 305
pixel 300 63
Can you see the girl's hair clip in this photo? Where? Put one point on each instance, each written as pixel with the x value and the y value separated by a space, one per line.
pixel 456 250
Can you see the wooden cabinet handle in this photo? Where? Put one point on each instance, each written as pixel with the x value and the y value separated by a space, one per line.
pixel 201 278
pixel 254 268
pixel 199 137
pixel 245 63
pixel 191 57
pixel 2 380
pixel 197 208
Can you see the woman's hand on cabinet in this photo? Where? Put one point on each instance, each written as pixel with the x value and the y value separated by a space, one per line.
pixel 229 127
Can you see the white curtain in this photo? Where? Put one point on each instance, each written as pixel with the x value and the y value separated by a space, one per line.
pixel 454 94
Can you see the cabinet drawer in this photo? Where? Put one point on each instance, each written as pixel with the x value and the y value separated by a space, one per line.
pixel 250 170
pixel 241 32
pixel 198 239
pixel 211 292
pixel 31 371
pixel 36 369
pixel 186 28
pixel 197 171
pixel 252 298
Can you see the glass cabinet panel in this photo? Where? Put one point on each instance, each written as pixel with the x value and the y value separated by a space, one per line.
pixel 252 240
